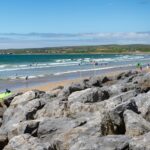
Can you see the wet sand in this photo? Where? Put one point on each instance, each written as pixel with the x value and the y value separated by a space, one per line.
pixel 53 85
pixel 48 83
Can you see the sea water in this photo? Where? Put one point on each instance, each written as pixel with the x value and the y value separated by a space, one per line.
pixel 20 66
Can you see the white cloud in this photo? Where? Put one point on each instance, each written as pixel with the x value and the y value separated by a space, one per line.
pixel 15 40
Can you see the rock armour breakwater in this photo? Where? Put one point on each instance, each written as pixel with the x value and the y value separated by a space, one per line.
pixel 98 113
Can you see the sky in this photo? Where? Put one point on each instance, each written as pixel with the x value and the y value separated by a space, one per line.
pixel 46 23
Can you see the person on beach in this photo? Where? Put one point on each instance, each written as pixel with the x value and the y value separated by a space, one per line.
pixel 139 66
pixel 8 91
pixel 148 66
pixel 26 78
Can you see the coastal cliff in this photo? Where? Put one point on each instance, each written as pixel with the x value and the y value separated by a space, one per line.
pixel 97 113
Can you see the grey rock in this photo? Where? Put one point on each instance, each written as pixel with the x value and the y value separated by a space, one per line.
pixel 140 143
pixel 57 107
pixel 98 113
pixel 89 95
pixel 111 142
pixel 67 90
pixel 135 124
pixel 106 79
pixel 116 115
pixel 143 103
pixel 8 100
pixel 21 111
pixel 26 142
pixel 94 81
pixel 3 141
pixel 0 122
pixel 29 127
pixel 124 75
pixel 2 108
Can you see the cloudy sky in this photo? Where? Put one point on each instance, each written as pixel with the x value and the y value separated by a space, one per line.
pixel 46 23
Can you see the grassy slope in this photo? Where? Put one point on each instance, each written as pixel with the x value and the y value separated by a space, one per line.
pixel 83 49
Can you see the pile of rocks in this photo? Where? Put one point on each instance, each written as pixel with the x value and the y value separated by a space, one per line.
pixel 98 113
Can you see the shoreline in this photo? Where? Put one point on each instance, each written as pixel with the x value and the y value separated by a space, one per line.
pixel 89 113
pixel 49 82
pixel 103 53
pixel 52 85
pixel 17 85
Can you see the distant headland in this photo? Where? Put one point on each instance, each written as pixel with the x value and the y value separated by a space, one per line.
pixel 124 49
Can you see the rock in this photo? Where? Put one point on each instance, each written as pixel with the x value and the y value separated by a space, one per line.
pixel 94 81
pixel 66 91
pixel 143 103
pixel 58 88
pixel 27 142
pixel 20 112
pixel 57 107
pixel 50 128
pixel 117 100
pixel 2 109
pixel 75 87
pixel 8 100
pixel 89 95
pixel 23 98
pixel 27 96
pixel 105 79
pixel 115 89
pixel 3 141
pixel 140 143
pixel 111 142
pixel 129 86
pixel 0 122
pixel 135 125
pixel 29 127
pixel 53 93
pixel 98 113
pixel 124 75
pixel 116 116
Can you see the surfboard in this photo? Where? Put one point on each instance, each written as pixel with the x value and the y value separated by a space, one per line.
pixel 4 95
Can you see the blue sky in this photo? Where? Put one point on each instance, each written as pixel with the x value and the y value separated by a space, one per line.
pixel 44 23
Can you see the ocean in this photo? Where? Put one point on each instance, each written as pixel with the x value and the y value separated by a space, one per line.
pixel 63 66
pixel 20 66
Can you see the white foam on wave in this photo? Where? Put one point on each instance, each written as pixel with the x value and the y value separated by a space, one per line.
pixel 18 67
pixel 93 69
pixel 69 62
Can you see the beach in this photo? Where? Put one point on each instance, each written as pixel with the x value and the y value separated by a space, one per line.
pixel 108 111
pixel 47 83
pixel 29 71
pixel 48 87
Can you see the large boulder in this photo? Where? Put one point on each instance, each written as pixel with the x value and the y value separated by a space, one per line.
pixel 126 74
pixel 94 81
pixel 111 142
pixel 27 142
pixel 116 115
pixel 9 99
pixel 23 98
pixel 143 103
pixel 2 109
pixel 140 143
pixel 3 141
pixel 29 127
pixel 67 90
pixel 135 124
pixel 89 95
pixel 20 112
pixel 56 107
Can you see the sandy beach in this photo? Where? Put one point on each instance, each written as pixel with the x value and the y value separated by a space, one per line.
pixel 49 86
pixel 52 85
